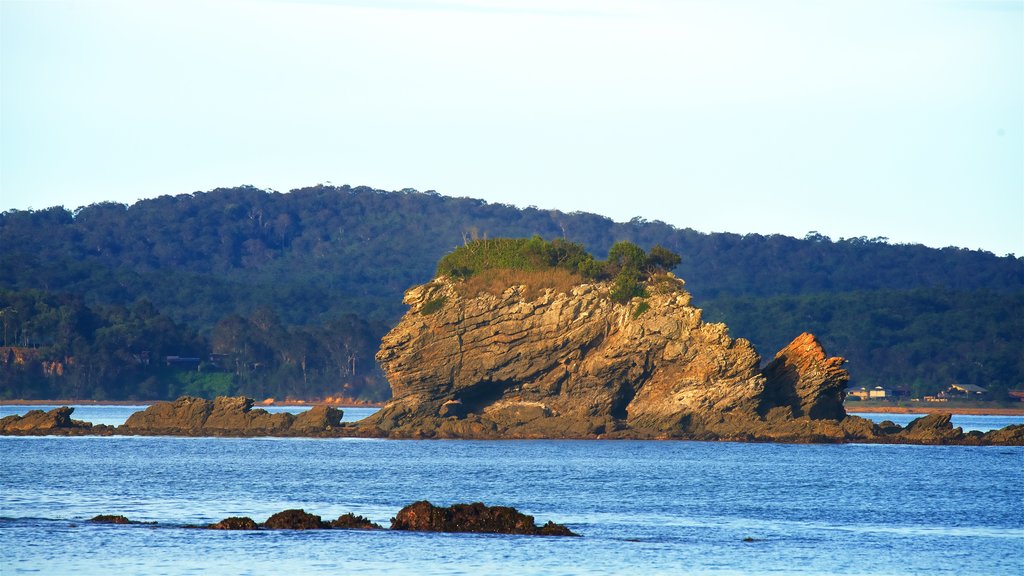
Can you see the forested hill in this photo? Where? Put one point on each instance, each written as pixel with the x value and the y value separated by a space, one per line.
pixel 293 291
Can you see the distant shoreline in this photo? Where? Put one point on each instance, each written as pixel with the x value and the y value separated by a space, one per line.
pixel 348 404
pixel 932 409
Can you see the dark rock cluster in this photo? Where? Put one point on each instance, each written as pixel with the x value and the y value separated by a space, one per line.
pixel 420 516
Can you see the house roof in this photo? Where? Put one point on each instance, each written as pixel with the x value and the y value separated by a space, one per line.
pixel 968 388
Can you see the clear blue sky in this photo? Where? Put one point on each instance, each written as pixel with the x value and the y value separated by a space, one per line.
pixel 894 118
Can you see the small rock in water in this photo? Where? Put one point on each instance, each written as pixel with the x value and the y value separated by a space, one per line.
pixel 112 519
pixel 352 522
pixel 235 523
pixel 425 517
pixel 295 520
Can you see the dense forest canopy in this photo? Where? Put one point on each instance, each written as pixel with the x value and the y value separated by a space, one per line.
pixel 288 294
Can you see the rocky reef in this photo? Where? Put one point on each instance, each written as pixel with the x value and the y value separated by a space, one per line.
pixel 575 363
pixel 476 517
pixel 227 416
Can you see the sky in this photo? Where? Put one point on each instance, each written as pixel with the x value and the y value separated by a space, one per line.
pixel 900 119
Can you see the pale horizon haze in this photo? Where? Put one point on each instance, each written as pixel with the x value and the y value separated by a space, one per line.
pixel 901 119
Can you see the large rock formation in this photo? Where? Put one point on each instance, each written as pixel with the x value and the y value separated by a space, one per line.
pixel 228 416
pixel 575 364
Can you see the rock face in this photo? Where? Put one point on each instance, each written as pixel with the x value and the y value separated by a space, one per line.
pixel 803 378
pixel 228 416
pixel 578 364
pixel 425 517
pixel 57 421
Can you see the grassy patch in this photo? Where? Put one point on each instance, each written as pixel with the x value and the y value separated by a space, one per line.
pixel 433 305
pixel 642 307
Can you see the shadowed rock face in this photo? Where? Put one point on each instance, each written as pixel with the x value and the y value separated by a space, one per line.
pixel 425 517
pixel 578 364
pixel 803 378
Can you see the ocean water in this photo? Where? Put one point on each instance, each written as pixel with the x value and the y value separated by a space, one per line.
pixel 642 507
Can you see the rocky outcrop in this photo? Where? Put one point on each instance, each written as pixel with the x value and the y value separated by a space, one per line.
pixel 425 517
pixel 295 520
pixel 351 521
pixel 235 523
pixel 228 416
pixel 114 519
pixel 56 422
pixel 561 364
pixel 575 364
pixel 803 378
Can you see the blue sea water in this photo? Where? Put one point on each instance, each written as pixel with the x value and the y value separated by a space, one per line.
pixel 642 507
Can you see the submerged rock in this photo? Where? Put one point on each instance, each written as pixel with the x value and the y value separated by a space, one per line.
pixel 425 517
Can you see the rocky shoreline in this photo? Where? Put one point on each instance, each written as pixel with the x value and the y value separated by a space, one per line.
pixel 235 417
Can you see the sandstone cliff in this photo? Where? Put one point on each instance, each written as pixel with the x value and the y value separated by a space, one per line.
pixel 573 363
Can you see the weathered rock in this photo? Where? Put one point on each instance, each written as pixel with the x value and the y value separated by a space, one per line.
pixel 317 418
pixel 352 522
pixel 235 523
pixel 36 421
pixel 577 364
pixel 932 429
pixel 114 519
pixel 228 416
pixel 804 378
pixel 425 517
pixel 183 416
pixel 235 415
pixel 295 520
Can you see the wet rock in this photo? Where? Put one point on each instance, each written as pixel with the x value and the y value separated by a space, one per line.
pixel 295 520
pixel 235 523
pixel 114 519
pixel 352 522
pixel 425 517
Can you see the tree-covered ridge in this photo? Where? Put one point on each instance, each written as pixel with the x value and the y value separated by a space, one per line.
pixel 320 255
